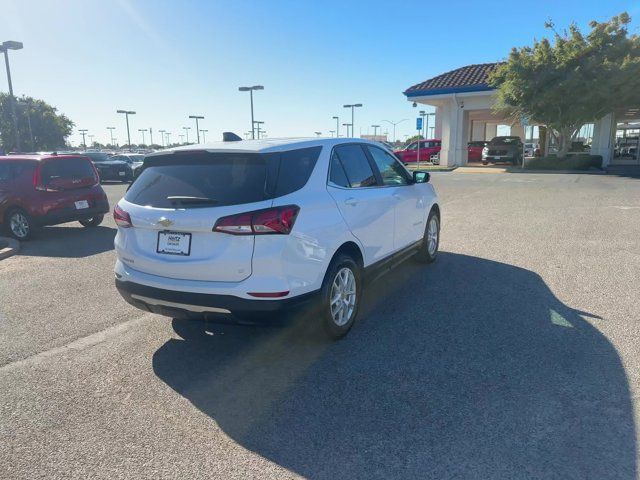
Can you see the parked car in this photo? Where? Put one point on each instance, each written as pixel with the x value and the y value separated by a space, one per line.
pixel 39 190
pixel 409 154
pixel 474 151
pixel 110 168
pixel 135 161
pixel 264 225
pixel 503 149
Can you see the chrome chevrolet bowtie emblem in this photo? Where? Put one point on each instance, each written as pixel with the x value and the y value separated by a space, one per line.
pixel 165 222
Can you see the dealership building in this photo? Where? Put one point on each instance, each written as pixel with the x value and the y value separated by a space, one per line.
pixel 463 101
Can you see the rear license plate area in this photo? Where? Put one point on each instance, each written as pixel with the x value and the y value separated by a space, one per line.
pixel 174 243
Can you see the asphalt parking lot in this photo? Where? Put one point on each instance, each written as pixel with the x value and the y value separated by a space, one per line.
pixel 515 355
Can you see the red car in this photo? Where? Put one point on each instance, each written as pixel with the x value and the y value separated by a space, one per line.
pixel 427 148
pixel 37 190
pixel 474 150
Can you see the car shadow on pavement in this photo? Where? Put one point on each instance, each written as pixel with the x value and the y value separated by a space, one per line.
pixel 467 368
pixel 69 242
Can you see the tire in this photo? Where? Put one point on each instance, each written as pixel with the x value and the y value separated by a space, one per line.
pixel 343 279
pixel 92 222
pixel 19 224
pixel 485 163
pixel 431 241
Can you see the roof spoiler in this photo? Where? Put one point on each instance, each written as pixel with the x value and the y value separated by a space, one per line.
pixel 230 137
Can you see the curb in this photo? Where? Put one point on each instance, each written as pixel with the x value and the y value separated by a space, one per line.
pixel 8 247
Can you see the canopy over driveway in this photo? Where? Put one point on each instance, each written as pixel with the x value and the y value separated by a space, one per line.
pixel 463 100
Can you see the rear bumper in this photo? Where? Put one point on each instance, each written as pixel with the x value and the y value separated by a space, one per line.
pixel 180 304
pixel 68 215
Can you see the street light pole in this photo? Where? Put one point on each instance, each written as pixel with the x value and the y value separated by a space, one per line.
pixel 203 132
pixel 150 136
pixel 257 129
pixel 394 126
pixel 126 114
pixel 162 136
pixel 111 129
pixel 353 107
pixel 332 132
pixel 83 132
pixel 168 134
pixel 318 133
pixel 197 117
pixel 250 90
pixel 186 129
pixel 347 125
pixel 337 119
pixel 181 137
pixel 142 130
pixel 375 130
pixel 5 47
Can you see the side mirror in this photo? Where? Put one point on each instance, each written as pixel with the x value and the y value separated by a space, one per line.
pixel 420 176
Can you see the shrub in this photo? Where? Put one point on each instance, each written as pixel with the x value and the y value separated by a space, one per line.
pixel 574 162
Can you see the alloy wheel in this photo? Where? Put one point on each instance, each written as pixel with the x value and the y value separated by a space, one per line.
pixel 432 235
pixel 19 225
pixel 343 296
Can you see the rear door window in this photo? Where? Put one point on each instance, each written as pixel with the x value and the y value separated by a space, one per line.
pixel 356 166
pixel 66 168
pixel 336 173
pixel 295 167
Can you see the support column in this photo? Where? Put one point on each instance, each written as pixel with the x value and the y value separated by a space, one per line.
pixel 454 146
pixel 437 132
pixel 603 143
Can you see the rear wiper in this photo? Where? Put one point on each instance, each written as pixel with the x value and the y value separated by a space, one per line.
pixel 193 200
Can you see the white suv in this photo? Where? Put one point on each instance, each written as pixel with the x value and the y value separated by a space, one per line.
pixel 255 226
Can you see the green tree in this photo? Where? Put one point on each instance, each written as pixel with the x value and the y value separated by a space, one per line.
pixel 575 79
pixel 37 120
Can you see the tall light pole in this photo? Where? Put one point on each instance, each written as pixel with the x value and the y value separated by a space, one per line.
pixel 337 119
pixel 394 126
pixel 203 132
pixel 168 134
pixel 256 129
pixel 83 132
pixel 352 107
pixel 111 129
pixel 142 130
pixel 126 114
pixel 162 136
pixel 5 47
pixel 332 132
pixel 91 137
pixel 347 125
pixel 150 136
pixel 186 129
pixel 250 90
pixel 181 139
pixel 197 117
pixel 375 130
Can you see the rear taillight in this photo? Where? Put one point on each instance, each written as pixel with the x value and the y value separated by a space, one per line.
pixel 121 217
pixel 270 221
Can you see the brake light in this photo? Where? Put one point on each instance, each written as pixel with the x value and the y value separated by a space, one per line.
pixel 270 221
pixel 121 217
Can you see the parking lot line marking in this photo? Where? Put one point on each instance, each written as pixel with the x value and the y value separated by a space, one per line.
pixel 479 170
pixel 75 346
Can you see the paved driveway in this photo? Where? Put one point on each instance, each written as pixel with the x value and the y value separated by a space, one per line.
pixel 515 355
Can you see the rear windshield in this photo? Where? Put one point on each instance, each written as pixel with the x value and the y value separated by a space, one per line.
pixel 66 168
pixel 218 179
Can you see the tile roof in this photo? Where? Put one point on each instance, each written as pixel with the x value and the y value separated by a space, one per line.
pixel 469 78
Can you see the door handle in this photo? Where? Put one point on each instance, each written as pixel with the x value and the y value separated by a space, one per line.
pixel 351 201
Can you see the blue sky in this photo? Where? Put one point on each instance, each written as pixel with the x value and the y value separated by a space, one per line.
pixel 168 59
